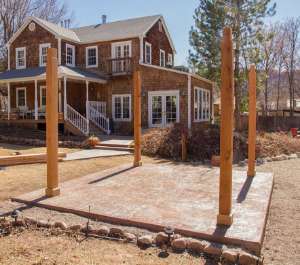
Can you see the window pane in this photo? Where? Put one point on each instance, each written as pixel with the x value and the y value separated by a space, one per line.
pixel 126 108
pixel 118 108
pixel 92 59
pixel 156 110
pixel 21 98
pixel 171 109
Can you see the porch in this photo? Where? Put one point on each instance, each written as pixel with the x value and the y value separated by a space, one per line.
pixel 82 98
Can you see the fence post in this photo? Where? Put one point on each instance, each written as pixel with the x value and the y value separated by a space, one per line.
pixel 227 91
pixel 52 124
pixel 252 122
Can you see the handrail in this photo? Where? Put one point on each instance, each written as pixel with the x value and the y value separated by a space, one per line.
pixel 100 120
pixel 77 120
pixel 100 106
pixel 121 65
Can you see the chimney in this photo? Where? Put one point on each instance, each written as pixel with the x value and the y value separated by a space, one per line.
pixel 104 18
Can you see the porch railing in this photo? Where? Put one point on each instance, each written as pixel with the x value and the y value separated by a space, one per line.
pixel 99 106
pixel 77 120
pixel 99 119
pixel 120 65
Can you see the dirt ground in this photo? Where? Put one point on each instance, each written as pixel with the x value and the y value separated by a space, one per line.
pixel 281 245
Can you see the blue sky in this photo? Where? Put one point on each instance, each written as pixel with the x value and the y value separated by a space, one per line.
pixel 178 15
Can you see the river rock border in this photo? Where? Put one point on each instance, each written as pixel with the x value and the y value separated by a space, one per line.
pixel 177 243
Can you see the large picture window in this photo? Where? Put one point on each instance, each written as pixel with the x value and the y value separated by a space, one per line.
pixel 201 104
pixel 43 53
pixel 121 107
pixel 91 56
pixel 20 58
pixel 70 55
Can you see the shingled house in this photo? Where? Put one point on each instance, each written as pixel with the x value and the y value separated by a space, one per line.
pixel 96 65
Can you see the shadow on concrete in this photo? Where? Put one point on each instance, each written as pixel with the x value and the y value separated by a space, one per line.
pixel 244 191
pixel 111 175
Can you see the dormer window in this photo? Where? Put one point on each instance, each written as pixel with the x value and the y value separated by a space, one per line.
pixel 43 53
pixel 148 53
pixel 70 55
pixel 162 58
pixel 21 58
pixel 91 59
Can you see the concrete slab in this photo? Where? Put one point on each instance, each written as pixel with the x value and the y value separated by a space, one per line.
pixel 116 140
pixel 158 195
pixel 94 153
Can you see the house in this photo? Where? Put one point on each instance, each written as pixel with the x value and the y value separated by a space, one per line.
pixel 96 65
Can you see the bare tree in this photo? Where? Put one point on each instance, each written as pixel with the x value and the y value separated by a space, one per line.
pixel 291 27
pixel 14 12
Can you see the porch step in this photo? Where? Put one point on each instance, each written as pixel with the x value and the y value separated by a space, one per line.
pixel 114 147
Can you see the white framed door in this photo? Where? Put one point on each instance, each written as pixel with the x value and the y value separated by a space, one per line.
pixel 163 108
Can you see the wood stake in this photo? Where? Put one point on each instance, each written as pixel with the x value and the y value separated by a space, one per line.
pixel 226 154
pixel 52 123
pixel 137 119
pixel 252 122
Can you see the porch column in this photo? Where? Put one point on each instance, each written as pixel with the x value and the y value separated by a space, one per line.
pixel 65 98
pixel 226 139
pixel 8 101
pixel 189 102
pixel 35 100
pixel 59 97
pixel 87 100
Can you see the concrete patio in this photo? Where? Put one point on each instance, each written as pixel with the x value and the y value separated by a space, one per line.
pixel 158 195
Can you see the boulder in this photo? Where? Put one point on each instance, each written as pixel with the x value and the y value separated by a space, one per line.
pixel 195 245
pixel 76 227
pixel 213 249
pixel 179 244
pixel 103 230
pixel 161 239
pixel 247 259
pixel 116 232
pixel 61 225
pixel 30 221
pixel 130 237
pixel 230 255
pixel 43 223
pixel 145 241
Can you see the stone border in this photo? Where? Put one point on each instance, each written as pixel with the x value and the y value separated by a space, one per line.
pixel 177 244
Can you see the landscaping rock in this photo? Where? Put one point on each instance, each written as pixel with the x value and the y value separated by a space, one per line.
pixel 230 255
pixel 30 221
pixel 248 259
pixel 103 231
pixel 87 229
pixel 195 245
pixel 43 223
pixel 130 237
pixel 145 241
pixel 213 249
pixel 161 239
pixel 76 227
pixel 61 225
pixel 259 161
pixel 116 232
pixel 179 244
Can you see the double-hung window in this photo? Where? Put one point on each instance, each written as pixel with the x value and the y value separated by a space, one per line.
pixel 162 58
pixel 121 107
pixel 202 103
pixel 43 53
pixel 21 58
pixel 148 53
pixel 70 55
pixel 170 59
pixel 91 59
pixel 21 97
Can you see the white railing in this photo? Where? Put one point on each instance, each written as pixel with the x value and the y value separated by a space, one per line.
pixel 98 106
pixel 77 120
pixel 99 119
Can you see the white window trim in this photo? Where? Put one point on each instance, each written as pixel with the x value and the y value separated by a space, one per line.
pixel 121 43
pixel 209 96
pixel 87 54
pixel 147 44
pixel 160 57
pixel 170 59
pixel 43 45
pixel 163 93
pixel 73 58
pixel 17 61
pixel 41 89
pixel 113 106
pixel 17 97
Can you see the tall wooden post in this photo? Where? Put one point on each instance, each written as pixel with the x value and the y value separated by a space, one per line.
pixel 52 124
pixel 137 119
pixel 227 92
pixel 252 122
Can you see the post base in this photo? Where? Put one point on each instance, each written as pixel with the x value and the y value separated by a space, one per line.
pixel 137 164
pixel 225 219
pixel 52 192
pixel 251 174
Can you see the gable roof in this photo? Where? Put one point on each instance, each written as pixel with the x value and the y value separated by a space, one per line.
pixel 130 28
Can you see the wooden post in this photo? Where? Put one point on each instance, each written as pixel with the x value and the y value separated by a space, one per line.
pixel 52 124
pixel 227 92
pixel 252 122
pixel 35 100
pixel 137 119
